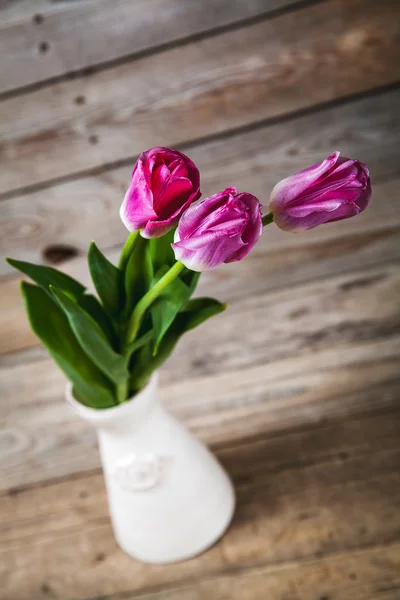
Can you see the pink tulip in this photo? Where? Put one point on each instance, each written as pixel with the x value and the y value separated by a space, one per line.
pixel 337 188
pixel 219 229
pixel 164 183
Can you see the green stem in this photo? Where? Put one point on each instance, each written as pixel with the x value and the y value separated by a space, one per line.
pixel 137 344
pixel 137 316
pixel 122 391
pixel 267 219
pixel 127 249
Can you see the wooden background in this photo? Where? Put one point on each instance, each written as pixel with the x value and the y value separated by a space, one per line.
pixel 295 387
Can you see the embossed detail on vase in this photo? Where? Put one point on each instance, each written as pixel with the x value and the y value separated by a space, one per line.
pixel 135 473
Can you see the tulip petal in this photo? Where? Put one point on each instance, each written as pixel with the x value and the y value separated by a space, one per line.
pixel 164 183
pixel 365 197
pixel 159 181
pixel 206 251
pixel 336 189
pixel 328 190
pixel 194 218
pixel 253 229
pixel 174 195
pixel 293 186
pixel 304 210
pixel 221 228
pixel 345 211
pixel 156 228
pixel 136 208
pixel 295 224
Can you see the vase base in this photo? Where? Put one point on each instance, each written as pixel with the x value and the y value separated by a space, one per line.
pixel 195 549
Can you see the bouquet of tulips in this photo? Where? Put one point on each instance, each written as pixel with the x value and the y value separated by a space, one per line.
pixel 108 346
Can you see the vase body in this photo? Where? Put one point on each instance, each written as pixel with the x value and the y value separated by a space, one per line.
pixel 169 498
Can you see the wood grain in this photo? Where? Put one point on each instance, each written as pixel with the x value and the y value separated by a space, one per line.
pixel 12 11
pixel 309 502
pixel 296 386
pixel 273 360
pixel 278 260
pixel 361 575
pixel 72 213
pixel 41 440
pixel 271 68
pixel 77 33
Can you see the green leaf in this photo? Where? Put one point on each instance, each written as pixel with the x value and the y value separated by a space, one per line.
pixel 92 306
pixel 194 313
pixel 108 280
pixel 191 279
pixel 46 276
pixel 92 338
pixel 50 324
pixel 161 251
pixel 198 310
pixel 168 304
pixel 138 275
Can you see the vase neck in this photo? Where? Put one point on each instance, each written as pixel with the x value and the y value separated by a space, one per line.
pixel 128 414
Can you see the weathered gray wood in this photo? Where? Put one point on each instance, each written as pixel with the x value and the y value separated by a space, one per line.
pixel 12 11
pixel 279 359
pixel 296 387
pixel 284 64
pixel 83 34
pixel 73 213
pixel 331 492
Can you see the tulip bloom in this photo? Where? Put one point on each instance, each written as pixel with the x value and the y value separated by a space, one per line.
pixel 222 228
pixel 164 183
pixel 335 189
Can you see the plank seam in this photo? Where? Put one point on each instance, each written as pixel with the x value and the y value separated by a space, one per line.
pixel 199 141
pixel 80 475
pixel 232 301
pixel 392 262
pixel 251 567
pixel 159 49
pixel 310 427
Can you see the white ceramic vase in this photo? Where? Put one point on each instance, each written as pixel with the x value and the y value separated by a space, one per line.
pixel 169 497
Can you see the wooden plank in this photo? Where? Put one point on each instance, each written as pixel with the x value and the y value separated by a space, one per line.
pixel 19 10
pixel 273 325
pixel 280 65
pixel 273 361
pixel 325 492
pixel 297 321
pixel 72 213
pixel 279 259
pixel 41 440
pixel 361 575
pixel 83 34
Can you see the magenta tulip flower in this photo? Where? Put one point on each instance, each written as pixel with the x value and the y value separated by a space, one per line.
pixel 222 228
pixel 164 183
pixel 335 189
